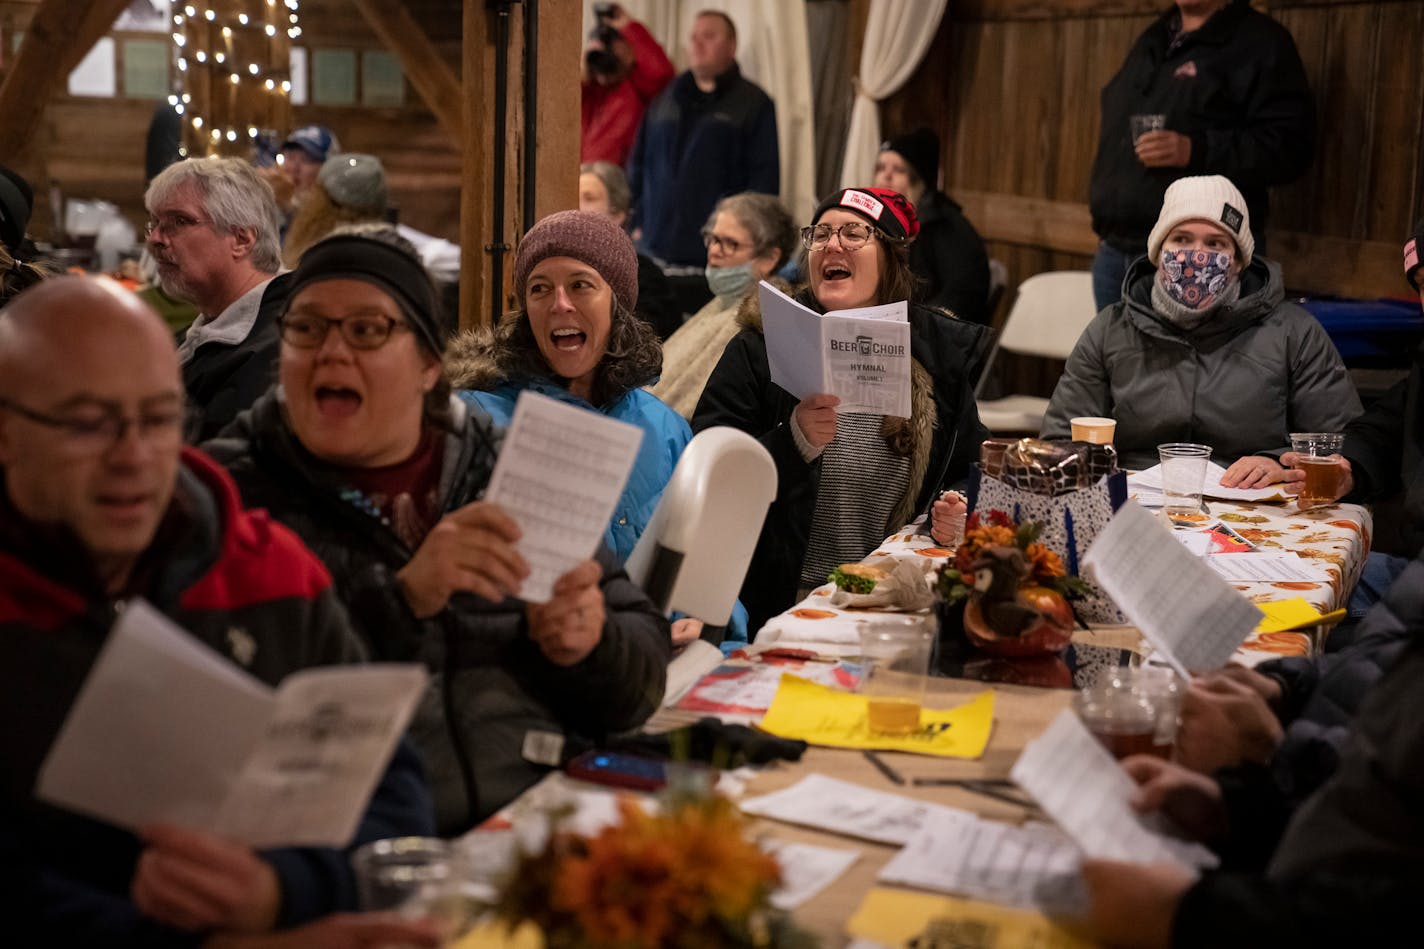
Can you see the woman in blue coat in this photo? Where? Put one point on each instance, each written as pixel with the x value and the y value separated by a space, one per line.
pixel 576 339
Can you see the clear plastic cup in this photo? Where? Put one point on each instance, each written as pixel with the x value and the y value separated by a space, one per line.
pixel 897 660
pixel 1183 475
pixel 1318 455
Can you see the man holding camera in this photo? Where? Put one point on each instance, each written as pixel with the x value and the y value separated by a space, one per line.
pixel 624 68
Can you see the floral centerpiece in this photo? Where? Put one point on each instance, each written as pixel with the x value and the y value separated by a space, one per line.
pixel 1015 590
pixel 685 877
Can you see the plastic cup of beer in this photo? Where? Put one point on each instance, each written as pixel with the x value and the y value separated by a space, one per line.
pixel 1097 431
pixel 1183 474
pixel 1122 716
pixel 1318 455
pixel 896 654
pixel 418 878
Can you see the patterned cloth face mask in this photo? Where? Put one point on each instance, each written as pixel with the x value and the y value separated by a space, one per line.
pixel 1195 278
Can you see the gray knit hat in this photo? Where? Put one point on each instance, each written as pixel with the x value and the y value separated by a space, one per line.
pixel 355 181
pixel 586 236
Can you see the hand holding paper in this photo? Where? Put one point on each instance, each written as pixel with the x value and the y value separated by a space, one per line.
pixel 559 474
pixel 1191 615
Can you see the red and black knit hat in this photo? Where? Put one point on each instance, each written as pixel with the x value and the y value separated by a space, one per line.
pixel 888 210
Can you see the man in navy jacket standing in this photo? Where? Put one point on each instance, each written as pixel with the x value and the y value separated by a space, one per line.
pixel 709 134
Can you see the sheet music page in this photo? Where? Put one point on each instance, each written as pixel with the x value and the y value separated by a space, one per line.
pixel 160 729
pixel 1151 480
pixel 560 471
pixel 793 342
pixel 844 808
pixel 1032 865
pixel 1257 566
pixel 1079 784
pixel 806 869
pixel 1193 617
pixel 898 312
pixel 326 744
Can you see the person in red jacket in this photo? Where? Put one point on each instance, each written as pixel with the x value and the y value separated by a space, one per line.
pixel 624 68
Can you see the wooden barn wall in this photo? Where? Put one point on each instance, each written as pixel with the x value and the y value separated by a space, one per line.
pixel 95 147
pixel 1012 87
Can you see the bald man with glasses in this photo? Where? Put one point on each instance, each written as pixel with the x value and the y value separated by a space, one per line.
pixel 100 502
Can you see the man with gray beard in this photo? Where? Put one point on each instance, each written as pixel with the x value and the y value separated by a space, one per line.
pixel 213 230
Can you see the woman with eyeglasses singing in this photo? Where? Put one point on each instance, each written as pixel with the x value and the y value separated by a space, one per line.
pixel 364 453
pixel 848 480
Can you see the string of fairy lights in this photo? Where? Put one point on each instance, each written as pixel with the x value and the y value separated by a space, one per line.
pixel 195 28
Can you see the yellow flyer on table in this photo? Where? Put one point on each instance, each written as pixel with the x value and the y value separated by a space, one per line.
pixel 1294 613
pixel 826 716
pixel 895 917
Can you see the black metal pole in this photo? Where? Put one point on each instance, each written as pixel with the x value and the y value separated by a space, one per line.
pixel 531 107
pixel 497 247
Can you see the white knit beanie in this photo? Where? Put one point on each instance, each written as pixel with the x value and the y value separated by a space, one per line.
pixel 1210 198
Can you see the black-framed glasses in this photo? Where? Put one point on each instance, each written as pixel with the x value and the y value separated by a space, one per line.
pixel 95 431
pixel 364 331
pixel 172 222
pixel 726 245
pixel 852 235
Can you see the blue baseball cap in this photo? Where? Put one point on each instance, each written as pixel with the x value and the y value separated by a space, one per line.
pixel 316 140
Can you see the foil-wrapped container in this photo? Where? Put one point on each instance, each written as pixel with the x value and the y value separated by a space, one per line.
pixel 1044 467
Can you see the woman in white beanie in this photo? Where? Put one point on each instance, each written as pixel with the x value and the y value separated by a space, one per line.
pixel 1204 348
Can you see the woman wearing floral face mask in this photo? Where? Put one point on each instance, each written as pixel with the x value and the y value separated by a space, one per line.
pixel 1204 348
pixel 748 236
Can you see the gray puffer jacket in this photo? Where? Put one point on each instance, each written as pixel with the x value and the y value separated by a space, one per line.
pixel 1256 371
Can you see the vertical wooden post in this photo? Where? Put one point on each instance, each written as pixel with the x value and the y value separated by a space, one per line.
pixel 556 147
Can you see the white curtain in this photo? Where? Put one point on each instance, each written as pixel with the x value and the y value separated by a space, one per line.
pixel 897 35
pixel 773 51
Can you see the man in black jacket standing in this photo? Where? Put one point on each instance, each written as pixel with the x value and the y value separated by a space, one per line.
pixel 1212 87
pixel 214 229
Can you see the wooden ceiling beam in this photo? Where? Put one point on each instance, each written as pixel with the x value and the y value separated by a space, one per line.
pixel 58 36
pixel 427 70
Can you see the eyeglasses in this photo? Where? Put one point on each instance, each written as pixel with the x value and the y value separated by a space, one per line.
pixel 308 331
pixel 852 235
pixel 95 432
pixel 171 223
pixel 726 245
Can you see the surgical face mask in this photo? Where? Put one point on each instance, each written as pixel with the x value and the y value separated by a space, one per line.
pixel 1195 279
pixel 730 282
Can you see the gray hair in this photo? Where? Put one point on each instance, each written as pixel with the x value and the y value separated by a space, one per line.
pixel 766 220
pixel 234 196
pixel 620 198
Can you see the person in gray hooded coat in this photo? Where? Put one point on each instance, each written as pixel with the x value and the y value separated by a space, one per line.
pixel 1204 348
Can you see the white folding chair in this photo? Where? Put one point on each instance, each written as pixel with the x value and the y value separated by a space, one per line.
pixel 1049 314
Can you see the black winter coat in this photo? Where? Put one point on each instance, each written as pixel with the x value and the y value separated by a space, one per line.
pixel 1351 864
pixel 1386 451
pixel 223 379
pixel 945 425
pixel 950 257
pixel 491 686
pixel 1236 87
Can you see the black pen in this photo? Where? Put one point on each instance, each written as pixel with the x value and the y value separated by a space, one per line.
pixel 884 768
pixel 985 789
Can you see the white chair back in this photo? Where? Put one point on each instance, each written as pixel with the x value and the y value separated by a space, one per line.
pixel 1049 314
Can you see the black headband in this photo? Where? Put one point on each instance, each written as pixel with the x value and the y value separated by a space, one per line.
pixel 385 266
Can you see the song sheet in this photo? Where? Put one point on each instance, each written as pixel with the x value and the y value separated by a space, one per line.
pixel 806 869
pixel 860 355
pixel 1191 615
pixel 1029 865
pixel 844 808
pixel 1149 483
pixel 560 471
pixel 1253 567
pixel 166 729
pixel 1079 784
